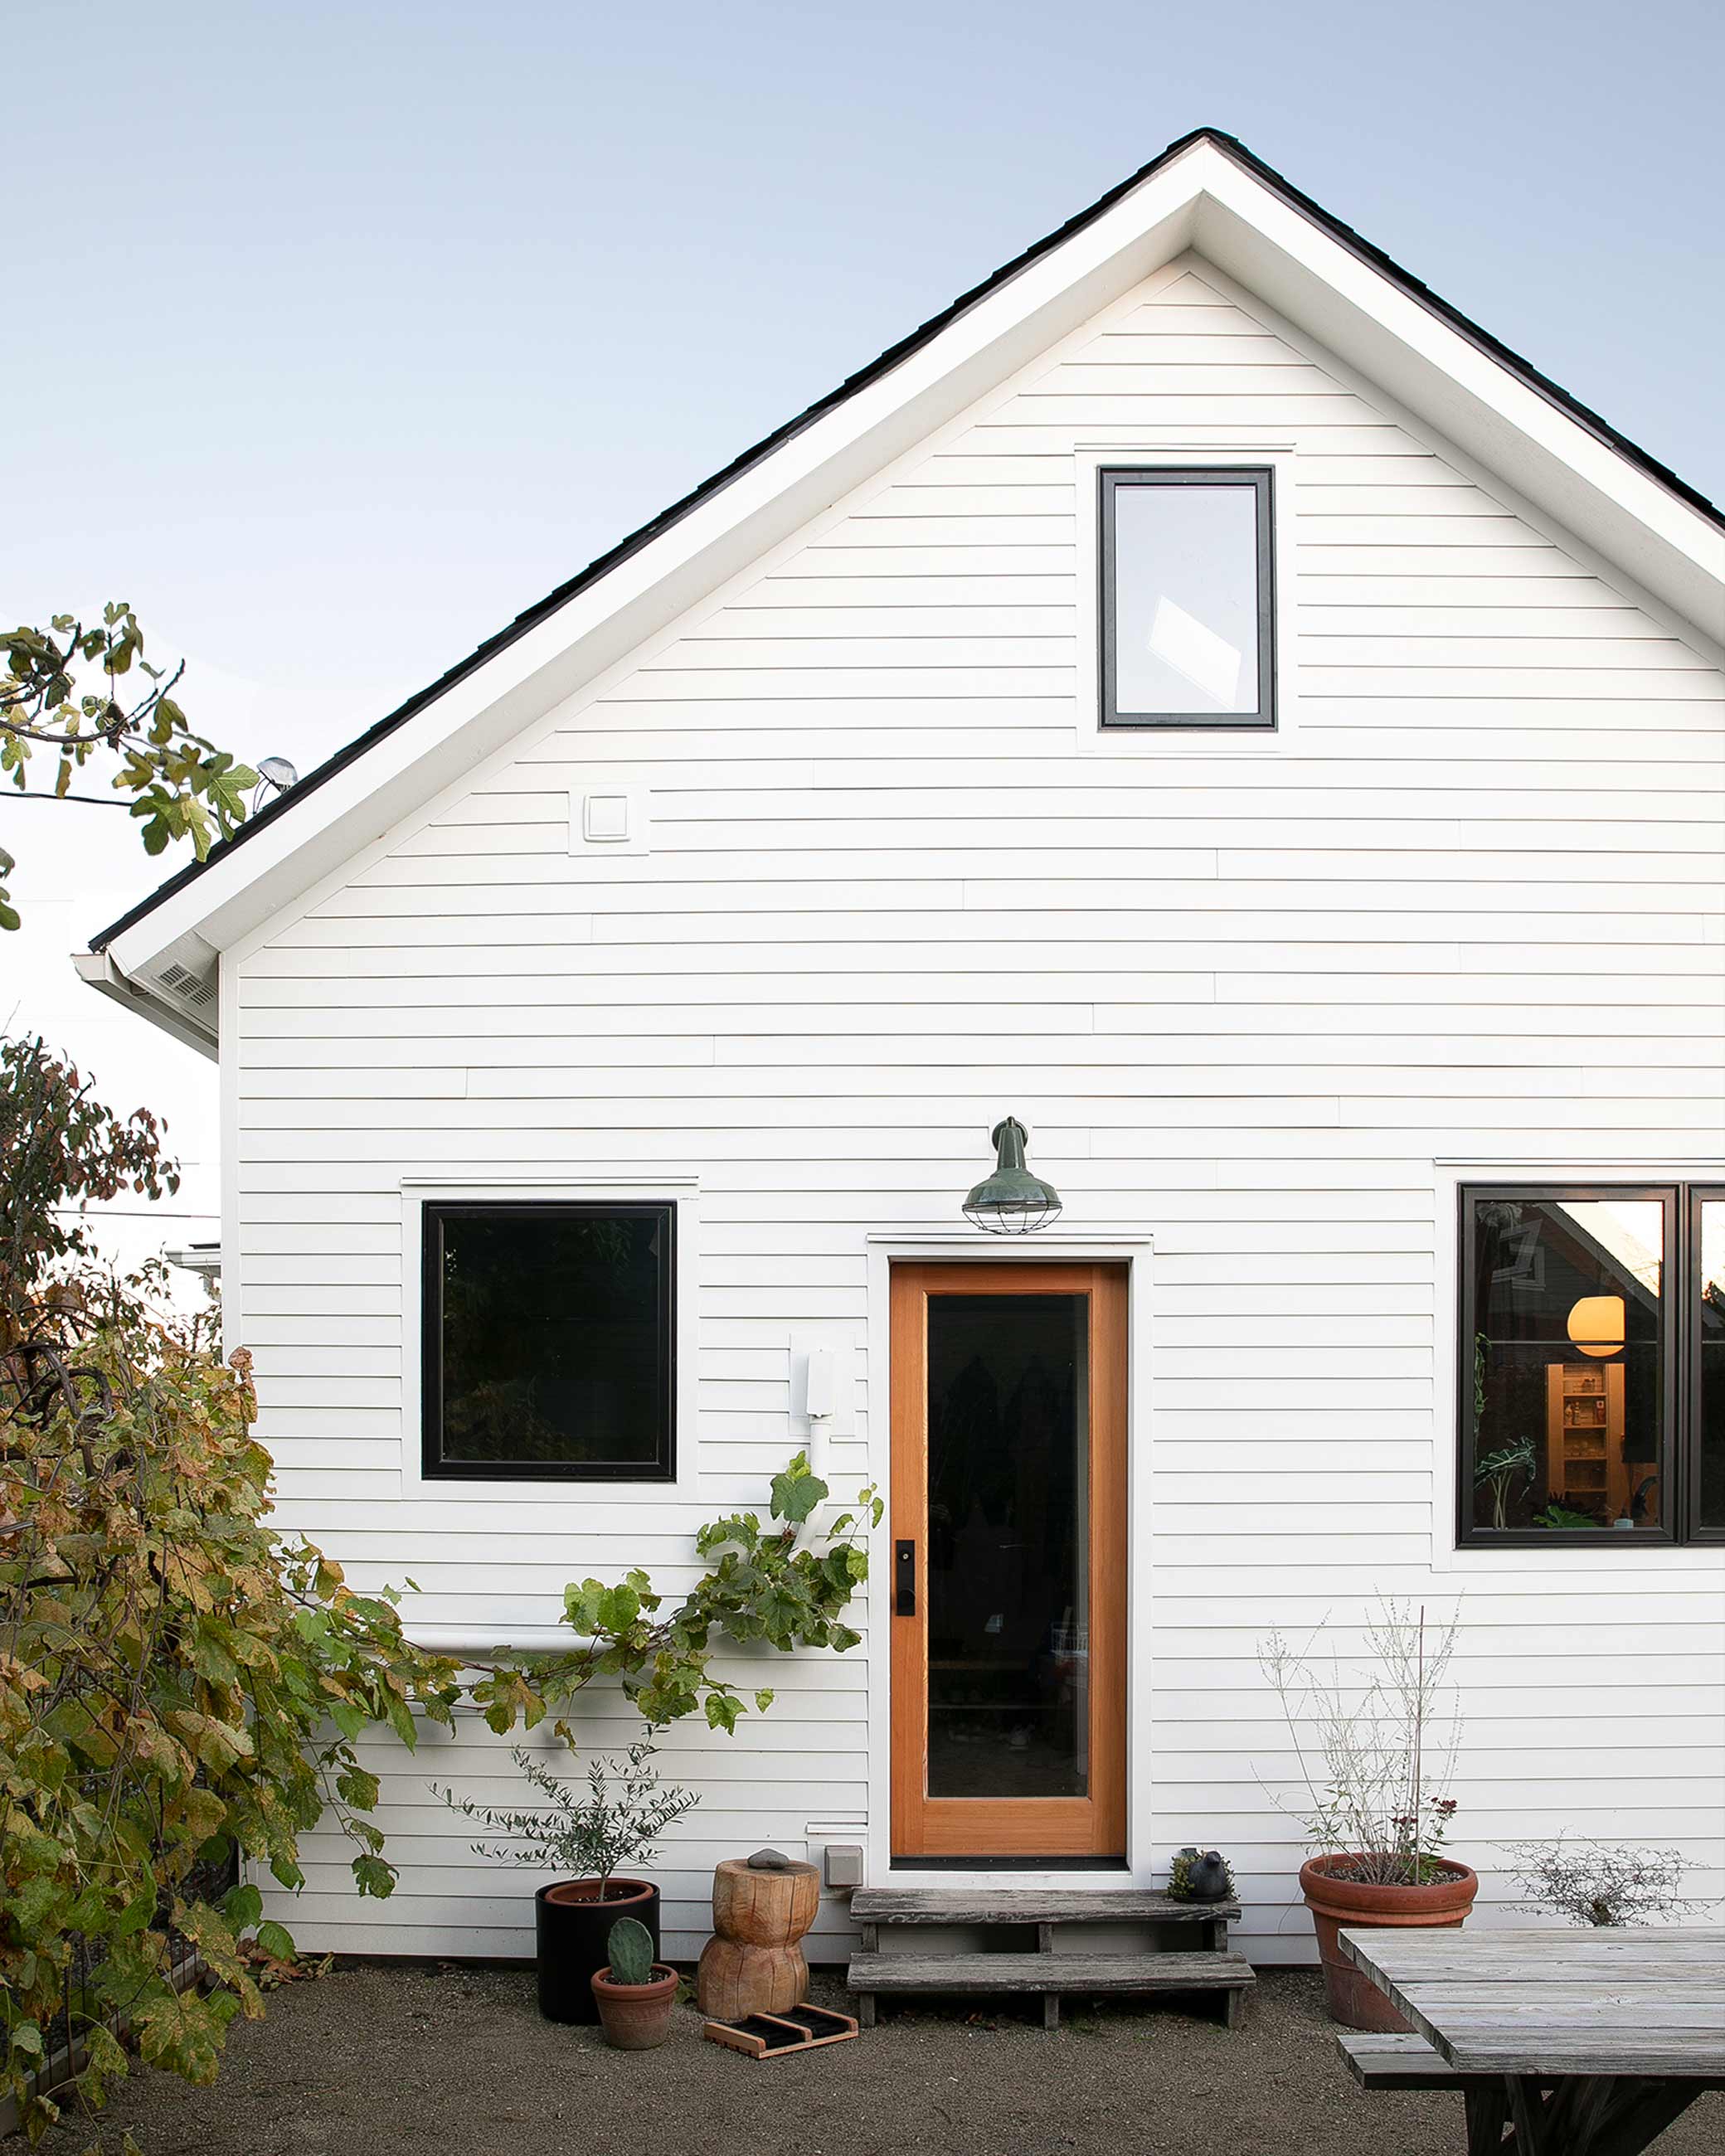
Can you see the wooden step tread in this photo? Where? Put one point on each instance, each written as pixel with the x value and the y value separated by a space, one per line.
pixel 1389 2061
pixel 1012 1905
pixel 1050 1972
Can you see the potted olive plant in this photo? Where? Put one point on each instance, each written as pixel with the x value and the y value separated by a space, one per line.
pixel 617 1824
pixel 635 1993
pixel 1376 1753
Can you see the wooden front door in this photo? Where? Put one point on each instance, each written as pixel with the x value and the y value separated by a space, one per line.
pixel 1008 1575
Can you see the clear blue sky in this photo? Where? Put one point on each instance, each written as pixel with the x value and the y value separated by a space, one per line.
pixel 337 334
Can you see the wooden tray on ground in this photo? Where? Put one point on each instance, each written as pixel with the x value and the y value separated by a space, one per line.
pixel 799 2029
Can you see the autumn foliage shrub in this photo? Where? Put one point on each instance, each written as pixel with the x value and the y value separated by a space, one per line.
pixel 176 1681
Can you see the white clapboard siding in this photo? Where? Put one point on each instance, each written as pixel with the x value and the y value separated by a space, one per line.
pixel 1470 907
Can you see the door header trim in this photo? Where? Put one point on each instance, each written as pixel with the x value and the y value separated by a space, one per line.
pixel 976 1247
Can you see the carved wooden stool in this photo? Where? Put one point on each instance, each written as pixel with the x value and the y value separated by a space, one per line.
pixel 762 1906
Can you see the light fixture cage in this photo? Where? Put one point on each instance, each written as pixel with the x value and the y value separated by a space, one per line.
pixel 1012 1201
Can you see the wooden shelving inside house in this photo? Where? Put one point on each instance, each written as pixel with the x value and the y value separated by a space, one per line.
pixel 1585 1470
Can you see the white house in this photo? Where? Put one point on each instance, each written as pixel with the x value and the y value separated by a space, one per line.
pixel 1200 695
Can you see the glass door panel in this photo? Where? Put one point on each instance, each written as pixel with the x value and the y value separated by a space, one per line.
pixel 1008 1582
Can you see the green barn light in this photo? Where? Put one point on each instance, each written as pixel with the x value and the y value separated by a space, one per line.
pixel 1012 1201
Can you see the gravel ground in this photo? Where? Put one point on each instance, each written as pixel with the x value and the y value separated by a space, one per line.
pixel 371 2060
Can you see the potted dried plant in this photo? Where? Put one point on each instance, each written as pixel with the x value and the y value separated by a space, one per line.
pixel 1376 1751
pixel 635 1993
pixel 617 1823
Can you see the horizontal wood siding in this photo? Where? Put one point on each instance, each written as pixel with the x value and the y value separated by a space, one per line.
pixel 1471 909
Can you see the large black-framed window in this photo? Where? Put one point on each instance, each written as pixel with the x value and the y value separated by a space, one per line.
pixel 1187 602
pixel 1591 1368
pixel 549 1334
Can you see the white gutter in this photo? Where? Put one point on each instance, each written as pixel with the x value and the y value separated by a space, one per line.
pixel 99 970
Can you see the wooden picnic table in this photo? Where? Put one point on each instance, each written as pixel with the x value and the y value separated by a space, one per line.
pixel 1585 2043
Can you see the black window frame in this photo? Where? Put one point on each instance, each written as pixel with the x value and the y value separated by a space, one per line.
pixel 1261 478
pixel 1679 1454
pixel 1695 1196
pixel 433 1467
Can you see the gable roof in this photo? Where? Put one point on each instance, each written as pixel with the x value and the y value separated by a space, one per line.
pixel 1211 144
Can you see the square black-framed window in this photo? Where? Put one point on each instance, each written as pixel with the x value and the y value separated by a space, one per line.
pixel 1591 1368
pixel 1187 609
pixel 549 1335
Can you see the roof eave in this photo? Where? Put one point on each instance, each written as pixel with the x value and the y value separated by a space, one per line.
pixel 100 971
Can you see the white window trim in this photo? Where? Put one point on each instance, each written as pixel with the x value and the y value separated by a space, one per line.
pixel 1145 1866
pixel 1563 1560
pixel 1144 453
pixel 684 1191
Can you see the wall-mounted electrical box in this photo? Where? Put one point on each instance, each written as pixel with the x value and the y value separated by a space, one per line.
pixel 608 820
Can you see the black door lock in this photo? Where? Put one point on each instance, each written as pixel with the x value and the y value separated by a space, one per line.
pixel 904 1579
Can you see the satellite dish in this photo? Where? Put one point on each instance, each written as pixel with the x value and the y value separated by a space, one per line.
pixel 275 772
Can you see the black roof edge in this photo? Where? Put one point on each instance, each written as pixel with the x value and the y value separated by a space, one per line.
pixel 584 579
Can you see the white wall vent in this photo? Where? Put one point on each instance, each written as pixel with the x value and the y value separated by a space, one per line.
pixel 187 986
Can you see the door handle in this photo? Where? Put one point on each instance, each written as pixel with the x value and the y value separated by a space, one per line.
pixel 904 1579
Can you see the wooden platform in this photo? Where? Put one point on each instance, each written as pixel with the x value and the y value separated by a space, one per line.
pixel 1199 1962
pixel 973 1905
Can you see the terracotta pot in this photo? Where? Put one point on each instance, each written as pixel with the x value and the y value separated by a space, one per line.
pixel 637 2016
pixel 573 1936
pixel 1353 1999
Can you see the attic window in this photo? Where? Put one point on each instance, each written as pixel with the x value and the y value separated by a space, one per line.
pixel 547 1339
pixel 1188 598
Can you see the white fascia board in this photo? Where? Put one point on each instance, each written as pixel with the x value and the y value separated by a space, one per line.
pixel 361 804
pixel 1443 377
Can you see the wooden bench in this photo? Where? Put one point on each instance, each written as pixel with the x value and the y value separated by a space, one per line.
pixel 1396 2063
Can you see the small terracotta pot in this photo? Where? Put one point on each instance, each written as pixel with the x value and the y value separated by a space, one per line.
pixel 1351 1998
pixel 636 2016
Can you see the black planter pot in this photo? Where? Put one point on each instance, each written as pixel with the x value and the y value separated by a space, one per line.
pixel 570 1939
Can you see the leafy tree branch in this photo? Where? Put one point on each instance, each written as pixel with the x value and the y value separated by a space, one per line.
pixel 86 694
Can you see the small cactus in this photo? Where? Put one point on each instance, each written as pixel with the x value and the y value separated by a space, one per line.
pixel 630 1948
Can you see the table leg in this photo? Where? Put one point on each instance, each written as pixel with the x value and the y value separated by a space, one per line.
pixel 1487 2115
pixel 1636 2114
pixel 1581 2115
pixel 1533 2113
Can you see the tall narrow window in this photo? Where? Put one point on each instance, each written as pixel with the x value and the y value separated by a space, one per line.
pixel 1187 599
pixel 1708 1355
pixel 548 1333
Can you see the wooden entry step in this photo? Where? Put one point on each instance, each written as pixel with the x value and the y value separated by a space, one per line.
pixel 1051 1975
pixel 1016 1905
pixel 1201 1962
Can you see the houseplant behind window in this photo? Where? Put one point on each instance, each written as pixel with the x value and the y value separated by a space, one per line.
pixel 619 1823
pixel 1376 1755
